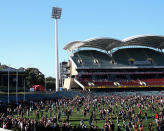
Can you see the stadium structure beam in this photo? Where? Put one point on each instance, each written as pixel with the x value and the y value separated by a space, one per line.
pixel 56 14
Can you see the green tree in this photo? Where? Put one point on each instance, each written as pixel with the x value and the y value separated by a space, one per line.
pixel 34 77
pixel 50 83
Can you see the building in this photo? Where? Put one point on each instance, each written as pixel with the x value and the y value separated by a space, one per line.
pixel 134 62
pixel 9 77
pixel 63 72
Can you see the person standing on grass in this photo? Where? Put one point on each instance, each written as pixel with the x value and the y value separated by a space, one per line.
pixel 146 115
pixel 37 115
pixel 27 113
pixel 21 125
pixel 41 113
pixel 118 127
pixel 112 126
pixel 50 113
pixel 135 127
pixel 106 127
pixel 140 127
pixel 156 117
pixel 59 114
pixel 150 126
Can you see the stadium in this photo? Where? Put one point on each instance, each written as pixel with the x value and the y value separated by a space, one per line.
pixel 106 63
pixel 11 78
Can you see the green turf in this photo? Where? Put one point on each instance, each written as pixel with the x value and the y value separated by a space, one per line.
pixel 77 116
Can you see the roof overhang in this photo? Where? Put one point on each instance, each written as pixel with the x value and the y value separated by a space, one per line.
pixel 107 44
pixel 153 41
pixel 100 43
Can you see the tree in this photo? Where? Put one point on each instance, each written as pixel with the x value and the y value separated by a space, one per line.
pixel 34 77
pixel 50 83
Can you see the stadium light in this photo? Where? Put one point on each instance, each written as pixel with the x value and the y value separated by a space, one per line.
pixel 56 14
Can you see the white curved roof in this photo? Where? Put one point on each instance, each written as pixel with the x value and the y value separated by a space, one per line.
pixel 103 43
pixel 107 44
pixel 146 40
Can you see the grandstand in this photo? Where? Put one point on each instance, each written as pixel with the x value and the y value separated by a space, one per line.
pixel 134 62
pixel 9 76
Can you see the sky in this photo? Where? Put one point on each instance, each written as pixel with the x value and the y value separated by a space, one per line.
pixel 27 30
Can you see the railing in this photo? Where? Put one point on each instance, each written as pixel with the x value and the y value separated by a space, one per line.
pixel 119 73
pixel 129 84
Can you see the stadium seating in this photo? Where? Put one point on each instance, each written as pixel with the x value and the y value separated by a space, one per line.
pixel 122 83
pixel 156 56
pixel 89 57
pixel 151 82
pixel 105 63
pixel 122 56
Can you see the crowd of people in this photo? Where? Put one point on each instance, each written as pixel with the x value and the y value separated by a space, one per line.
pixel 104 113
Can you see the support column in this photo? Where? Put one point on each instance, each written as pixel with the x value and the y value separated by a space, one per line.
pixel 16 86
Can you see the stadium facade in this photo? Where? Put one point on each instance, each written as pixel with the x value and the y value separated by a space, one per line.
pixel 134 62
pixel 12 78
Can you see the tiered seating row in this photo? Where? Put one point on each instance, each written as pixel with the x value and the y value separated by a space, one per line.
pixel 88 57
pixel 150 82
pixel 131 83
pixel 122 56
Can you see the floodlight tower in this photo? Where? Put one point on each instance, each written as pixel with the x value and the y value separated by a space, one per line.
pixel 56 14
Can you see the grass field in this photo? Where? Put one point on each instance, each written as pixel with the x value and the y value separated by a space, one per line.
pixel 77 116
